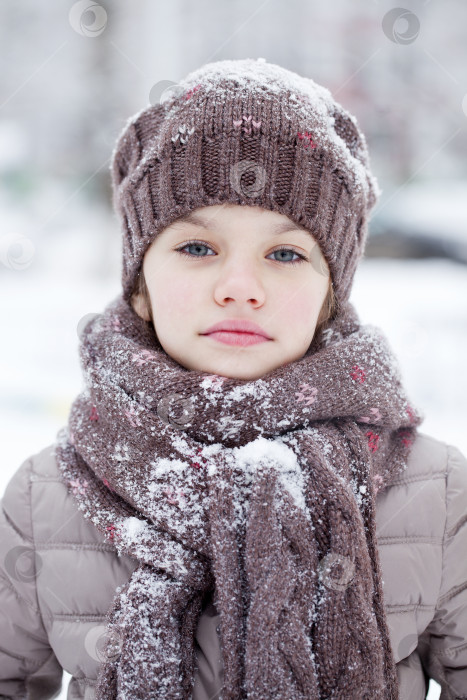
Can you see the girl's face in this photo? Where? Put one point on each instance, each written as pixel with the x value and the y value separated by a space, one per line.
pixel 228 263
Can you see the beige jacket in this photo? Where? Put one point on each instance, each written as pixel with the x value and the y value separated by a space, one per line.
pixel 58 577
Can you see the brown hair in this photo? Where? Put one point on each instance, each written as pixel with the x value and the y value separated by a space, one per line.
pixel 328 310
pixel 141 289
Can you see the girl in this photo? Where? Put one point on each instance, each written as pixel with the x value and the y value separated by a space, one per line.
pixel 241 504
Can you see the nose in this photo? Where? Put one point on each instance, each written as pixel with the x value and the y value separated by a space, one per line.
pixel 239 280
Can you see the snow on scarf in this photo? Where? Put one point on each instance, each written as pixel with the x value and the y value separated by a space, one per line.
pixel 262 491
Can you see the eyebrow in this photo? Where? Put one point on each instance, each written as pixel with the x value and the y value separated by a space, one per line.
pixel 283 227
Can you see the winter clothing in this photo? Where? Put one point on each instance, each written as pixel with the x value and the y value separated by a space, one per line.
pixel 247 132
pixel 52 617
pixel 262 489
pixel 280 522
pixel 257 502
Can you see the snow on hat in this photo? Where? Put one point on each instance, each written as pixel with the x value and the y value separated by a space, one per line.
pixel 251 133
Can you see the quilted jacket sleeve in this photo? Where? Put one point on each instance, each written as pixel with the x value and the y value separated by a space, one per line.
pixel 29 669
pixel 444 645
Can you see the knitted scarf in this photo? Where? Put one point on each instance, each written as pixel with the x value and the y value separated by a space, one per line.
pixel 262 491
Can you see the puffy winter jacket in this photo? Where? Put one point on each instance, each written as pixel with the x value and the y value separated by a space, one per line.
pixel 58 577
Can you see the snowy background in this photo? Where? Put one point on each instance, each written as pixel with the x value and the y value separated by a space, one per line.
pixel 72 73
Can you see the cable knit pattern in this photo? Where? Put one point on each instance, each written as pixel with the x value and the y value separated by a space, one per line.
pixel 253 133
pixel 262 491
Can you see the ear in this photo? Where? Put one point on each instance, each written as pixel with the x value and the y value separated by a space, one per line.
pixel 138 303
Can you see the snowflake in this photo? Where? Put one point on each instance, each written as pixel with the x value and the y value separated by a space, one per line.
pixel 230 426
pixel 78 486
pixel 121 454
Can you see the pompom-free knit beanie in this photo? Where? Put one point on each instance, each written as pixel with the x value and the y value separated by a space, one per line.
pixel 251 133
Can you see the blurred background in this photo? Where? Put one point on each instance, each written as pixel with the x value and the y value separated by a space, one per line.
pixel 73 73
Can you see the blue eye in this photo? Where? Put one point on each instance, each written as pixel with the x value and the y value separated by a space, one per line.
pixel 200 244
pixel 192 244
pixel 290 250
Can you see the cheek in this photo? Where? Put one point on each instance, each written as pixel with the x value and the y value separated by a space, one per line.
pixel 303 305
pixel 175 295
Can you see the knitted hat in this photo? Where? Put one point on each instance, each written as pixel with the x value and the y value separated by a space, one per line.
pixel 251 133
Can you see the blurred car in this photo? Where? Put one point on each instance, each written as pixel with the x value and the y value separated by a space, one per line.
pixel 425 220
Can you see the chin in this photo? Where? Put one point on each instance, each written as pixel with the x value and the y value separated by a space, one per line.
pixel 245 374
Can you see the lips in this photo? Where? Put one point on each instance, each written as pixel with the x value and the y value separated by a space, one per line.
pixel 237 326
